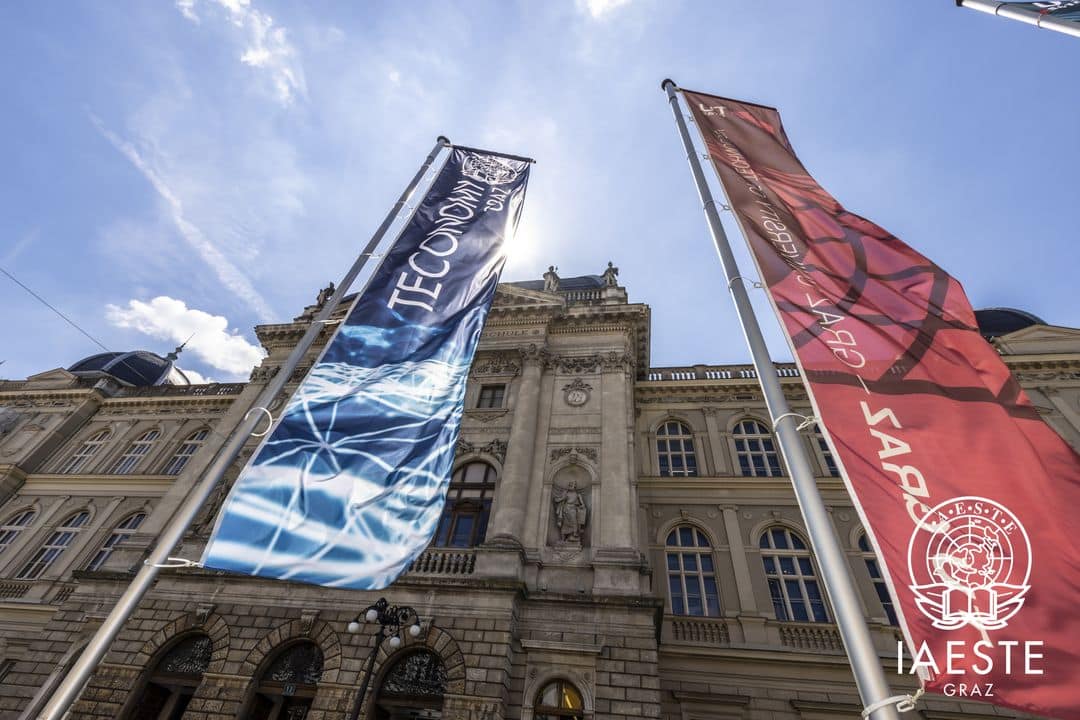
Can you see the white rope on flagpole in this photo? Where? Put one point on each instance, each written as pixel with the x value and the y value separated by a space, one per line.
pixel 903 703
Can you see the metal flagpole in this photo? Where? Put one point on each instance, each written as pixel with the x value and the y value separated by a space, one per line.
pixel 869 675
pixel 72 685
pixel 1027 15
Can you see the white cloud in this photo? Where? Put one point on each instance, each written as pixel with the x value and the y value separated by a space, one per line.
pixel 187 9
pixel 197 378
pixel 266 46
pixel 211 341
pixel 231 277
pixel 599 9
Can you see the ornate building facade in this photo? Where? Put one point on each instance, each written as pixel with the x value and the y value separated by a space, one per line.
pixel 619 541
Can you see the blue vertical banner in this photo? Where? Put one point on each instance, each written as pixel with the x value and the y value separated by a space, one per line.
pixel 348 488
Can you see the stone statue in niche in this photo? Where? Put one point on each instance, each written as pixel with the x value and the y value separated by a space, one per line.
pixel 571 513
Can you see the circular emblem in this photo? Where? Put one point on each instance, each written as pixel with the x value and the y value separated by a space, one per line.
pixel 970 562
pixel 488 170
pixel 577 396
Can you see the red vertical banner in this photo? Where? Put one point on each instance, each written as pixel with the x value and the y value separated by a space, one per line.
pixel 969 498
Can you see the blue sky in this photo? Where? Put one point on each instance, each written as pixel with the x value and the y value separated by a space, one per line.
pixel 206 165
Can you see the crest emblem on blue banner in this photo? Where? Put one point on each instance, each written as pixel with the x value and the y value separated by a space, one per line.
pixel 348 487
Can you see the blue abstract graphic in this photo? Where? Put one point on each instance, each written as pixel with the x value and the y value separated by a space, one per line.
pixel 348 488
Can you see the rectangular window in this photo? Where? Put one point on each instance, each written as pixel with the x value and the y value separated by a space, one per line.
pixel 491 396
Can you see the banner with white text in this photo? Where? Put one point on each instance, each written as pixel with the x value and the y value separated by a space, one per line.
pixel 966 494
pixel 348 488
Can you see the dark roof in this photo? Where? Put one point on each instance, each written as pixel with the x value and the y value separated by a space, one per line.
pixel 140 368
pixel 583 282
pixel 995 322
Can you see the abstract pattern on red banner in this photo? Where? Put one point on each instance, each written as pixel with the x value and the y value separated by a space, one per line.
pixel 968 496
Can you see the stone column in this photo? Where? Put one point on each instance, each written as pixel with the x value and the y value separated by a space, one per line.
pixel 508 518
pixel 717 442
pixel 615 525
pixel 617 561
pixel 743 583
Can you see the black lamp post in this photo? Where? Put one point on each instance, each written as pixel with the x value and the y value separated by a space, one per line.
pixel 391 619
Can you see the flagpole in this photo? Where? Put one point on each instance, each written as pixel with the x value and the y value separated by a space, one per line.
pixel 865 664
pixel 68 691
pixel 1023 14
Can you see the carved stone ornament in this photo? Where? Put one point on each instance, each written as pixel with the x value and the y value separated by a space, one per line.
pixel 496 364
pixel 9 418
pixel 202 612
pixel 577 393
pixel 307 621
pixel 495 448
pixel 585 452
pixel 263 373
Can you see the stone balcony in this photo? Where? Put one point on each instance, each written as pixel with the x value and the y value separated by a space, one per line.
pixel 760 633
pixel 52 592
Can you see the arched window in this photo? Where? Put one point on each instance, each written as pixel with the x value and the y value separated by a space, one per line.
pixel 60 539
pixel 691 578
pixel 13 526
pixel 468 503
pixel 756 449
pixel 818 439
pixel 122 531
pixel 286 688
pixel 793 585
pixel 183 454
pixel 173 680
pixel 413 687
pixel 675 450
pixel 880 586
pixel 125 464
pixel 557 700
pixel 85 453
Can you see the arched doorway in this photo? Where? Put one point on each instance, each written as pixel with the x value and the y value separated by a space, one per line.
pixel 412 689
pixel 168 688
pixel 286 688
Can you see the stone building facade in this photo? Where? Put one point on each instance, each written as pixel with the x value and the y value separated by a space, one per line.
pixel 621 541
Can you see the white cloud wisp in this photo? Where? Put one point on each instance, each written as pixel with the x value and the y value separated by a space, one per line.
pixel 231 277
pixel 211 341
pixel 266 46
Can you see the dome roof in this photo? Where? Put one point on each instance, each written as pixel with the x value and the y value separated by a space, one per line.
pixel 995 322
pixel 140 368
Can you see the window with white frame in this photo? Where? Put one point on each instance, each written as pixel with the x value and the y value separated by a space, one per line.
pixel 691 576
pixel 184 453
pixel 822 447
pixel 121 532
pixel 793 585
pixel 85 453
pixel 675 450
pixel 880 586
pixel 54 546
pixel 126 463
pixel 756 449
pixel 13 526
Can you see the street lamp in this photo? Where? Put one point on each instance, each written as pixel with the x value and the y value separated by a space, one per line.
pixel 391 619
